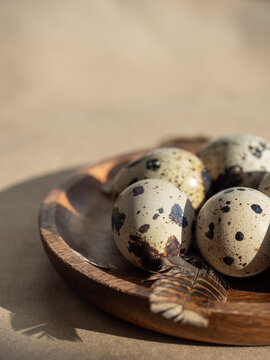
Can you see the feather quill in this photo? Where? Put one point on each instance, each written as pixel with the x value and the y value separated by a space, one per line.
pixel 100 264
pixel 185 289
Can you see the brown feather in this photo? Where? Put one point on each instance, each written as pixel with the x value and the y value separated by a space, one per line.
pixel 184 292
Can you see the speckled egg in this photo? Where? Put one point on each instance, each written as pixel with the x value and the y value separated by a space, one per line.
pixel 182 168
pixel 233 233
pixel 152 219
pixel 236 160
pixel 264 185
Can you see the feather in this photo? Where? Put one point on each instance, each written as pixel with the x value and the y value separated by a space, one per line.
pixel 185 289
pixel 100 264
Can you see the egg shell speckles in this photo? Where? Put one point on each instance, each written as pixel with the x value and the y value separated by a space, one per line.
pixel 264 185
pixel 233 232
pixel 236 160
pixel 152 219
pixel 180 167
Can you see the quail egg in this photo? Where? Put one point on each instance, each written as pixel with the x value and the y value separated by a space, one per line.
pixel 152 219
pixel 236 160
pixel 233 232
pixel 180 167
pixel 264 185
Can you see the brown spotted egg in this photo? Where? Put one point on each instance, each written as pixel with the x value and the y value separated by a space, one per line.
pixel 182 168
pixel 264 185
pixel 236 160
pixel 152 219
pixel 233 232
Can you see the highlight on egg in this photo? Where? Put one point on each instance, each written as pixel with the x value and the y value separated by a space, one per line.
pixel 152 219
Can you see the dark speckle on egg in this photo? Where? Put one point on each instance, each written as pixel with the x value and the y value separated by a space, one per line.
pixel 149 257
pixel 256 208
pixel 255 151
pixel 258 150
pixel 138 190
pixel 172 247
pixel 144 228
pixel 239 236
pixel 210 233
pixel 153 164
pixel 228 260
pixel 176 215
pixel 225 209
pixel 118 219
pixel 228 191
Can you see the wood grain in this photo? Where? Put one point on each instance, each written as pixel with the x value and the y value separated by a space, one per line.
pixel 76 216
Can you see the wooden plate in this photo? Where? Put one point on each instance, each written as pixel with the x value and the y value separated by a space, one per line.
pixel 75 219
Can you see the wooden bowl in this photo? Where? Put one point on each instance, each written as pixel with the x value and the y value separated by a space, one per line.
pixel 75 221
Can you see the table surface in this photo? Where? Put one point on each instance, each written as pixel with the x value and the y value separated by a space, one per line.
pixel 82 81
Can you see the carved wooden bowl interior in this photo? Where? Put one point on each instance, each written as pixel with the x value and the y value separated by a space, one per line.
pixel 75 219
